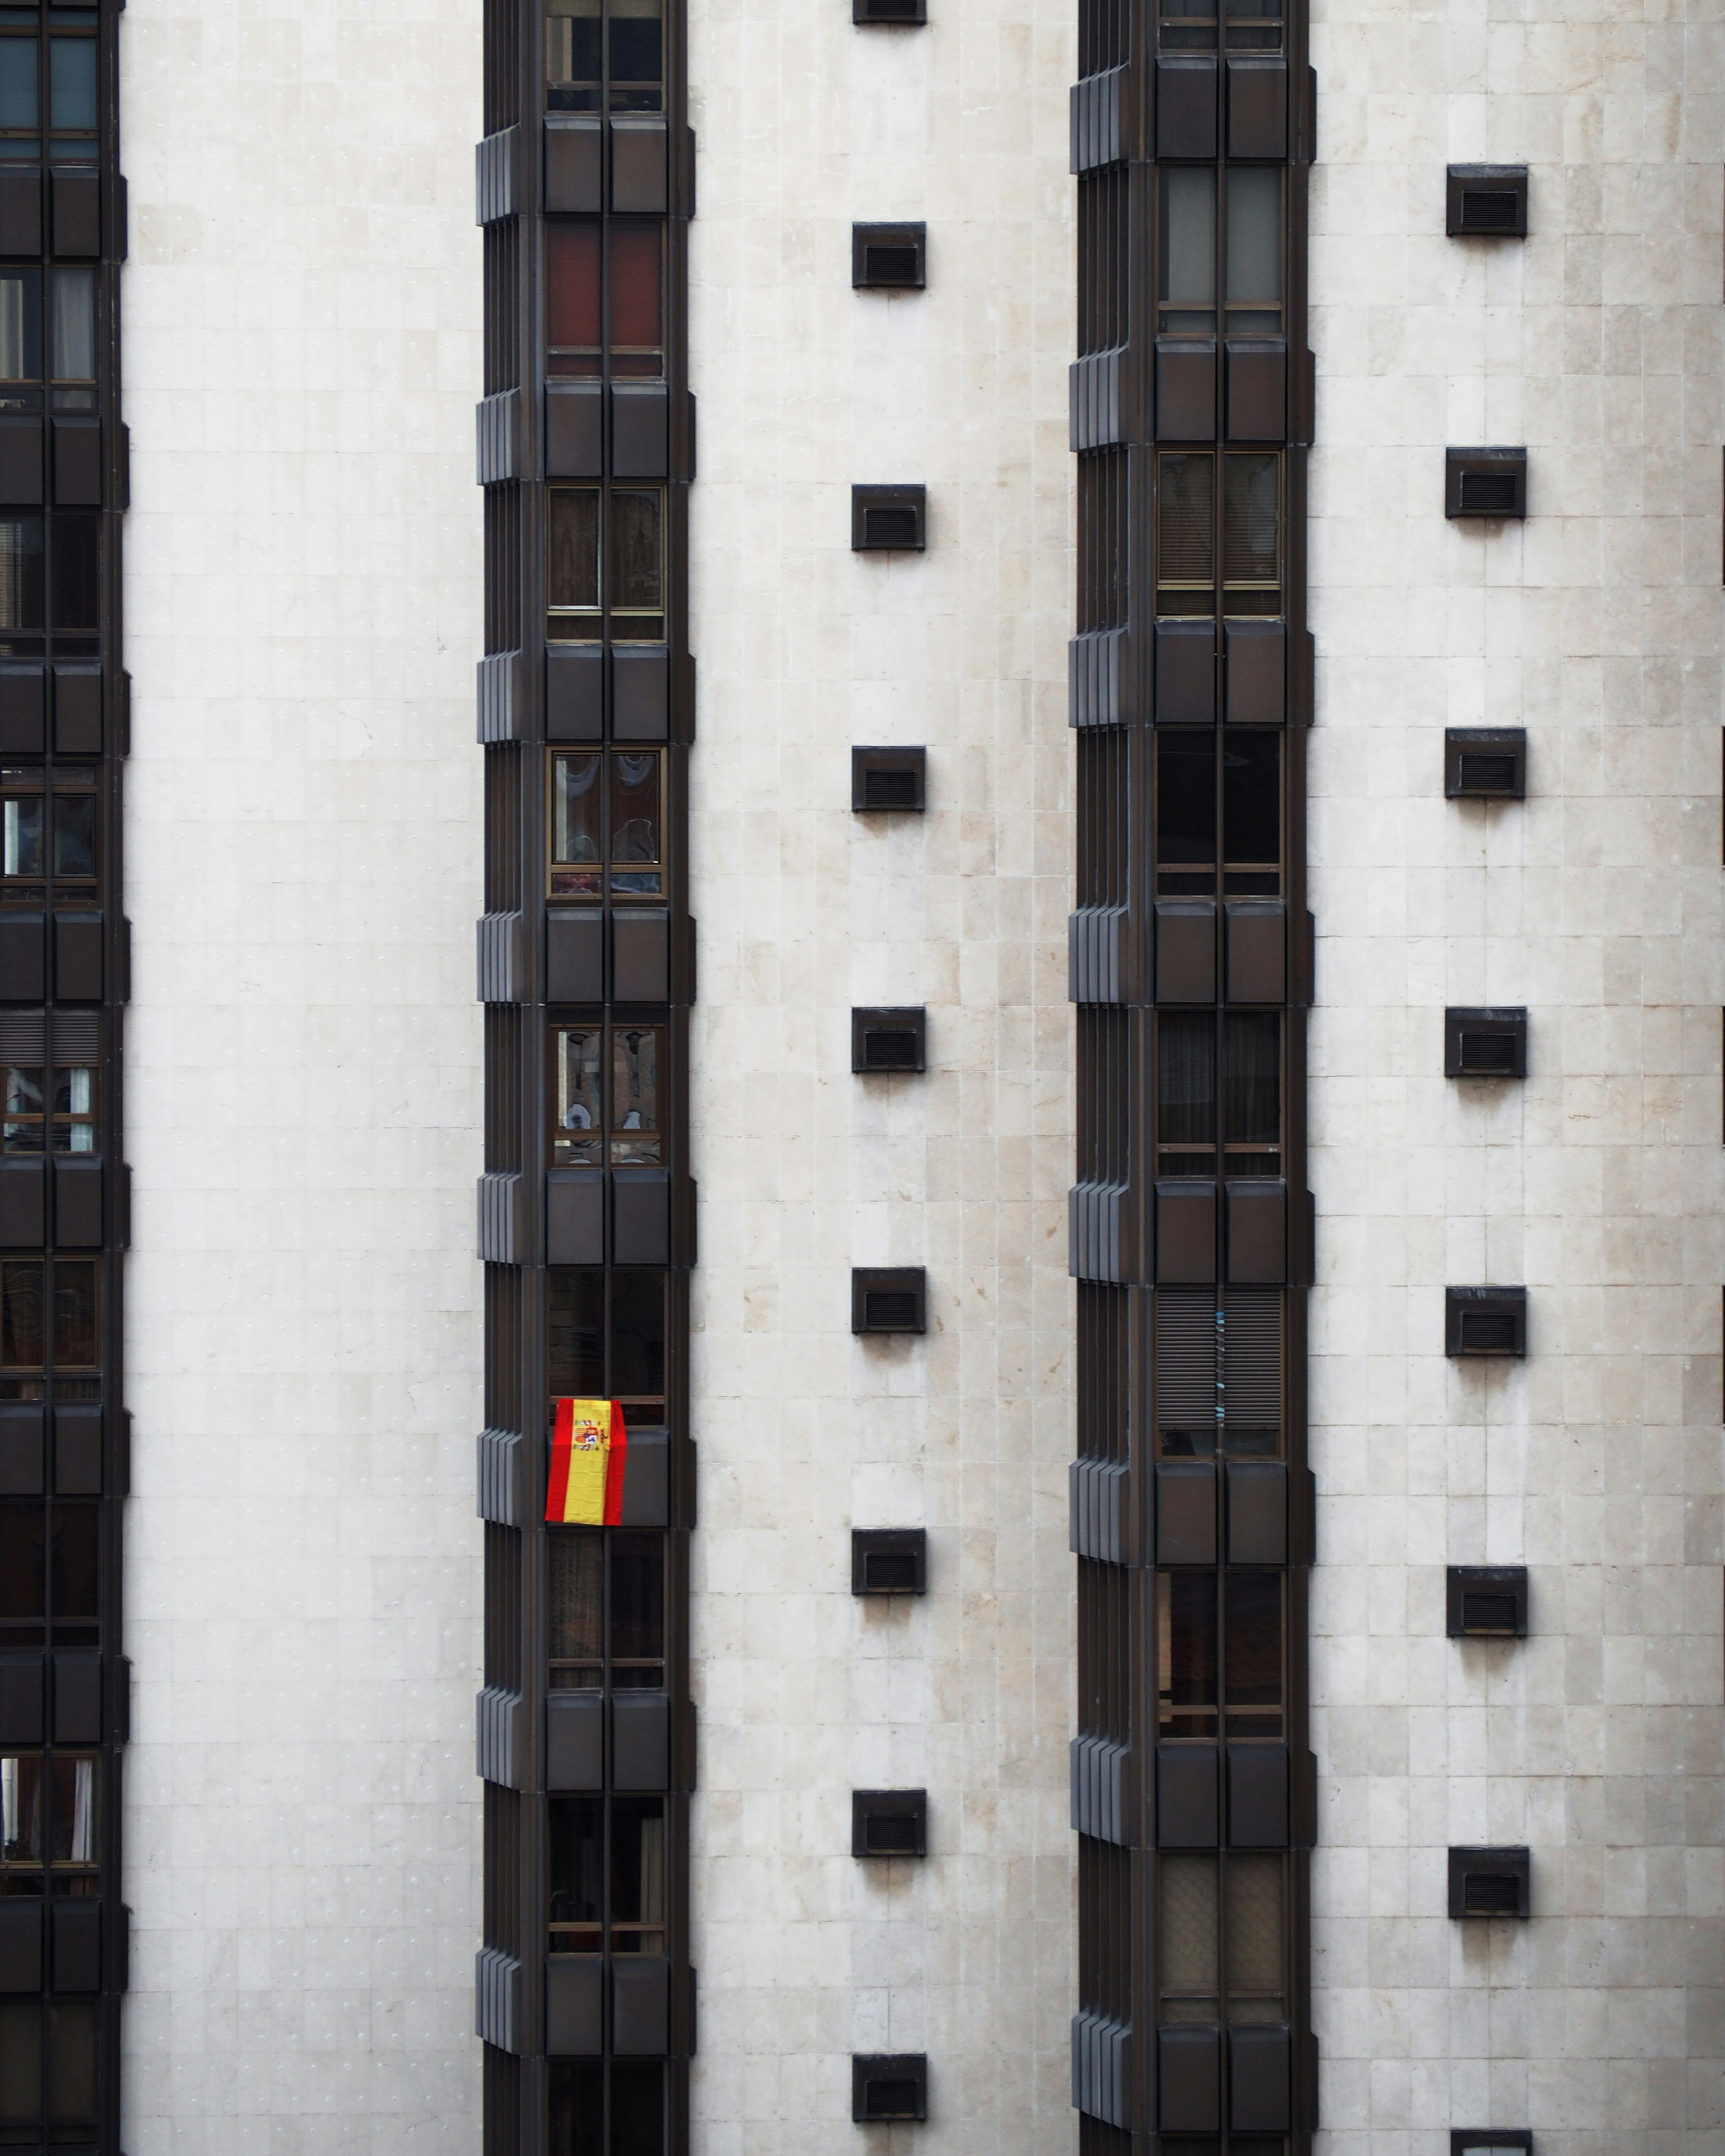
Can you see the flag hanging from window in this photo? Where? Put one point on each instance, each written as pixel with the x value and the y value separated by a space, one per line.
pixel 589 1449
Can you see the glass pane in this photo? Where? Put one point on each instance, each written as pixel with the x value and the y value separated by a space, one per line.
pixel 637 1600
pixel 1252 1095
pixel 20 324
pixel 634 1094
pixel 1185 799
pixel 17 82
pixel 1186 1081
pixel 24 1109
pixel 1252 1898
pixel 637 2111
pixel 1187 520
pixel 637 324
pixel 571 566
pixel 576 1620
pixel 1253 1632
pixel 23 1571
pixel 20 573
pixel 637 1336
pixel 74 1313
pixel 1250 518
pixel 637 1871
pixel 73 1582
pixel 1251 796
pixel 571 268
pixel 576 1141
pixel 75 325
pixel 578 1874
pixel 71 2060
pixel 77 557
pixel 637 58
pixel 75 1810
pixel 1186 1653
pixel 1190 1946
pixel 20 2059
pixel 75 1107
pixel 1255 239
pixel 72 84
pixel 21 1328
pixel 1189 249
pixel 21 1809
pixel 575 810
pixel 21 822
pixel 572 55
pixel 74 834
pixel 635 820
pixel 575 1326
pixel 635 582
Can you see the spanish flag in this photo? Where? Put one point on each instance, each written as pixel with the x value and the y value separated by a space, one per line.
pixel 589 1447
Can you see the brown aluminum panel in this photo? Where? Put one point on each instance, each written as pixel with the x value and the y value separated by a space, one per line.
pixel 77 711
pixel 646 1488
pixel 574 155
pixel 641 430
pixel 575 694
pixel 1185 389
pixel 640 2006
pixel 1257 1796
pixel 22 1209
pixel 1185 1234
pixel 1185 1513
pixel 21 710
pixel 21 1454
pixel 574 2005
pixel 641 1739
pixel 75 1928
pixel 574 430
pixel 1257 673
pixel 1185 673
pixel 1258 108
pixel 20 1945
pixel 78 1204
pixel 1258 2080
pixel 21 463
pixel 640 958
pixel 77 1452
pixel 77 957
pixel 575 955
pixel 78 1695
pixel 1257 940
pixel 1187 1809
pixel 1185 950
pixel 575 1217
pixel 77 464
pixel 77 216
pixel 1257 1512
pixel 23 957
pixel 640 692
pixel 1257 370
pixel 1190 2079
pixel 640 1216
pixel 1185 107
pixel 20 213
pixel 575 1740
pixel 638 165
pixel 1257 1231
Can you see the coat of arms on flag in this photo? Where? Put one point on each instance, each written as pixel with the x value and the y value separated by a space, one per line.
pixel 589 1450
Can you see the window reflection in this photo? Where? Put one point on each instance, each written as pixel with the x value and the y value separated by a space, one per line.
pixel 612 837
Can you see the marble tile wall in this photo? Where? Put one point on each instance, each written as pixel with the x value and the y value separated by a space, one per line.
pixel 1597 1182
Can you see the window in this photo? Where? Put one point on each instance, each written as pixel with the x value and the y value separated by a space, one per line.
pixel 1250 568
pixel 1195 790
pixel 1222 1940
pixel 600 1580
pixel 1249 265
pixel 20 100
pixel 70 1125
pixel 75 580
pixel 26 1322
pixel 616 311
pixel 606 1337
pixel 1225 1626
pixel 72 340
pixel 604 54
pixel 1250 1043
pixel 604 556
pixel 47 1816
pixel 22 587
pixel 1217 1374
pixel 56 2078
pixel 606 1106
pixel 46 836
pixel 607 823
pixel 72 99
pixel 602 1900
pixel 1249 25
pixel 602 2108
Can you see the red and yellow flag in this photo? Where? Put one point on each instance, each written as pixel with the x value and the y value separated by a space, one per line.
pixel 589 1450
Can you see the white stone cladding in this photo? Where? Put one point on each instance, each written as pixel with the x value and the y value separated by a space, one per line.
pixel 303 870
pixel 805 1955
pixel 1597 1182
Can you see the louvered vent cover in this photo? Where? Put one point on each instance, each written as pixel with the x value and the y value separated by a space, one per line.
pixel 1488 1332
pixel 888 1299
pixel 1490 209
pixel 77 1037
pixel 1487 1055
pixel 888 1560
pixel 888 10
pixel 887 264
pixel 889 1051
pixel 1488 1613
pixel 890 790
pixel 1251 1368
pixel 890 2086
pixel 1488 494
pixel 1488 774
pixel 889 1309
pixel 24 1037
pixel 1186 1401
pixel 891 528
pixel 1490 1894
pixel 889 1572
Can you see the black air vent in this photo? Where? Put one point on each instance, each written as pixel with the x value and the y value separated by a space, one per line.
pixel 1488 1613
pixel 888 1822
pixel 1486 1044
pixel 888 11
pixel 888 1040
pixel 1484 482
pixel 1486 1601
pixel 1485 763
pixel 889 1299
pixel 888 258
pixel 1490 209
pixel 888 1561
pixel 1483 494
pixel 1484 1320
pixel 1489 1882
pixel 888 779
pixel 893 2085
pixel 1489 2141
pixel 888 519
